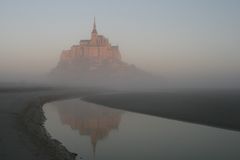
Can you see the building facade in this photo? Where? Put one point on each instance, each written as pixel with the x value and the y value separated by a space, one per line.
pixel 97 50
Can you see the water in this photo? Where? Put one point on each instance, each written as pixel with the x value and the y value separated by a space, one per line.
pixel 97 132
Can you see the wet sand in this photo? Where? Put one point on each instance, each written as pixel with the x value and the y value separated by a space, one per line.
pixel 218 108
pixel 22 135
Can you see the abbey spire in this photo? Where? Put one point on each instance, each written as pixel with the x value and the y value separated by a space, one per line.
pixel 94 26
pixel 94 33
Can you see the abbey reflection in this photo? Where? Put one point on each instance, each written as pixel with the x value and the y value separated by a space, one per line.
pixel 96 122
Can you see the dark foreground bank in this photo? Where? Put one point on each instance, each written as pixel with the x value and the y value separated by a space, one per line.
pixel 219 108
pixel 22 135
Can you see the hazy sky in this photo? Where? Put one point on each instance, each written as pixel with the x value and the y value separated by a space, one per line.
pixel 164 37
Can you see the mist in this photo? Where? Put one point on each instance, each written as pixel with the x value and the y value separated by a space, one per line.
pixel 179 45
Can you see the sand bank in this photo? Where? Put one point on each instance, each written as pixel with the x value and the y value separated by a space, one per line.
pixel 218 108
pixel 22 134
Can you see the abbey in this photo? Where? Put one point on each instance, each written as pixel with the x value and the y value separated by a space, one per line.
pixel 96 52
pixel 95 62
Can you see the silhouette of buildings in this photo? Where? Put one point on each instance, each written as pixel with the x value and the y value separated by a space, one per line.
pixel 96 62
pixel 94 54
pixel 97 49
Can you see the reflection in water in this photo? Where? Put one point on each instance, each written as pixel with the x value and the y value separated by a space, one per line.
pixel 81 126
pixel 91 121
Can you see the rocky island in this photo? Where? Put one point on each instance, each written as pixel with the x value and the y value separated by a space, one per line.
pixel 95 57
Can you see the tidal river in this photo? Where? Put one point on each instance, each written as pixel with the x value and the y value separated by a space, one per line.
pixel 101 133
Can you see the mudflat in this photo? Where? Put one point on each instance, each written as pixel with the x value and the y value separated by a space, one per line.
pixel 218 108
pixel 22 135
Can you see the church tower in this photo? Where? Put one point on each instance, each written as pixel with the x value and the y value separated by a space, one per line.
pixel 94 32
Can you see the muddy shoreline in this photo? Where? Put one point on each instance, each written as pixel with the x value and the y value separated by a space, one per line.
pixel 24 135
pixel 32 121
pixel 31 131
